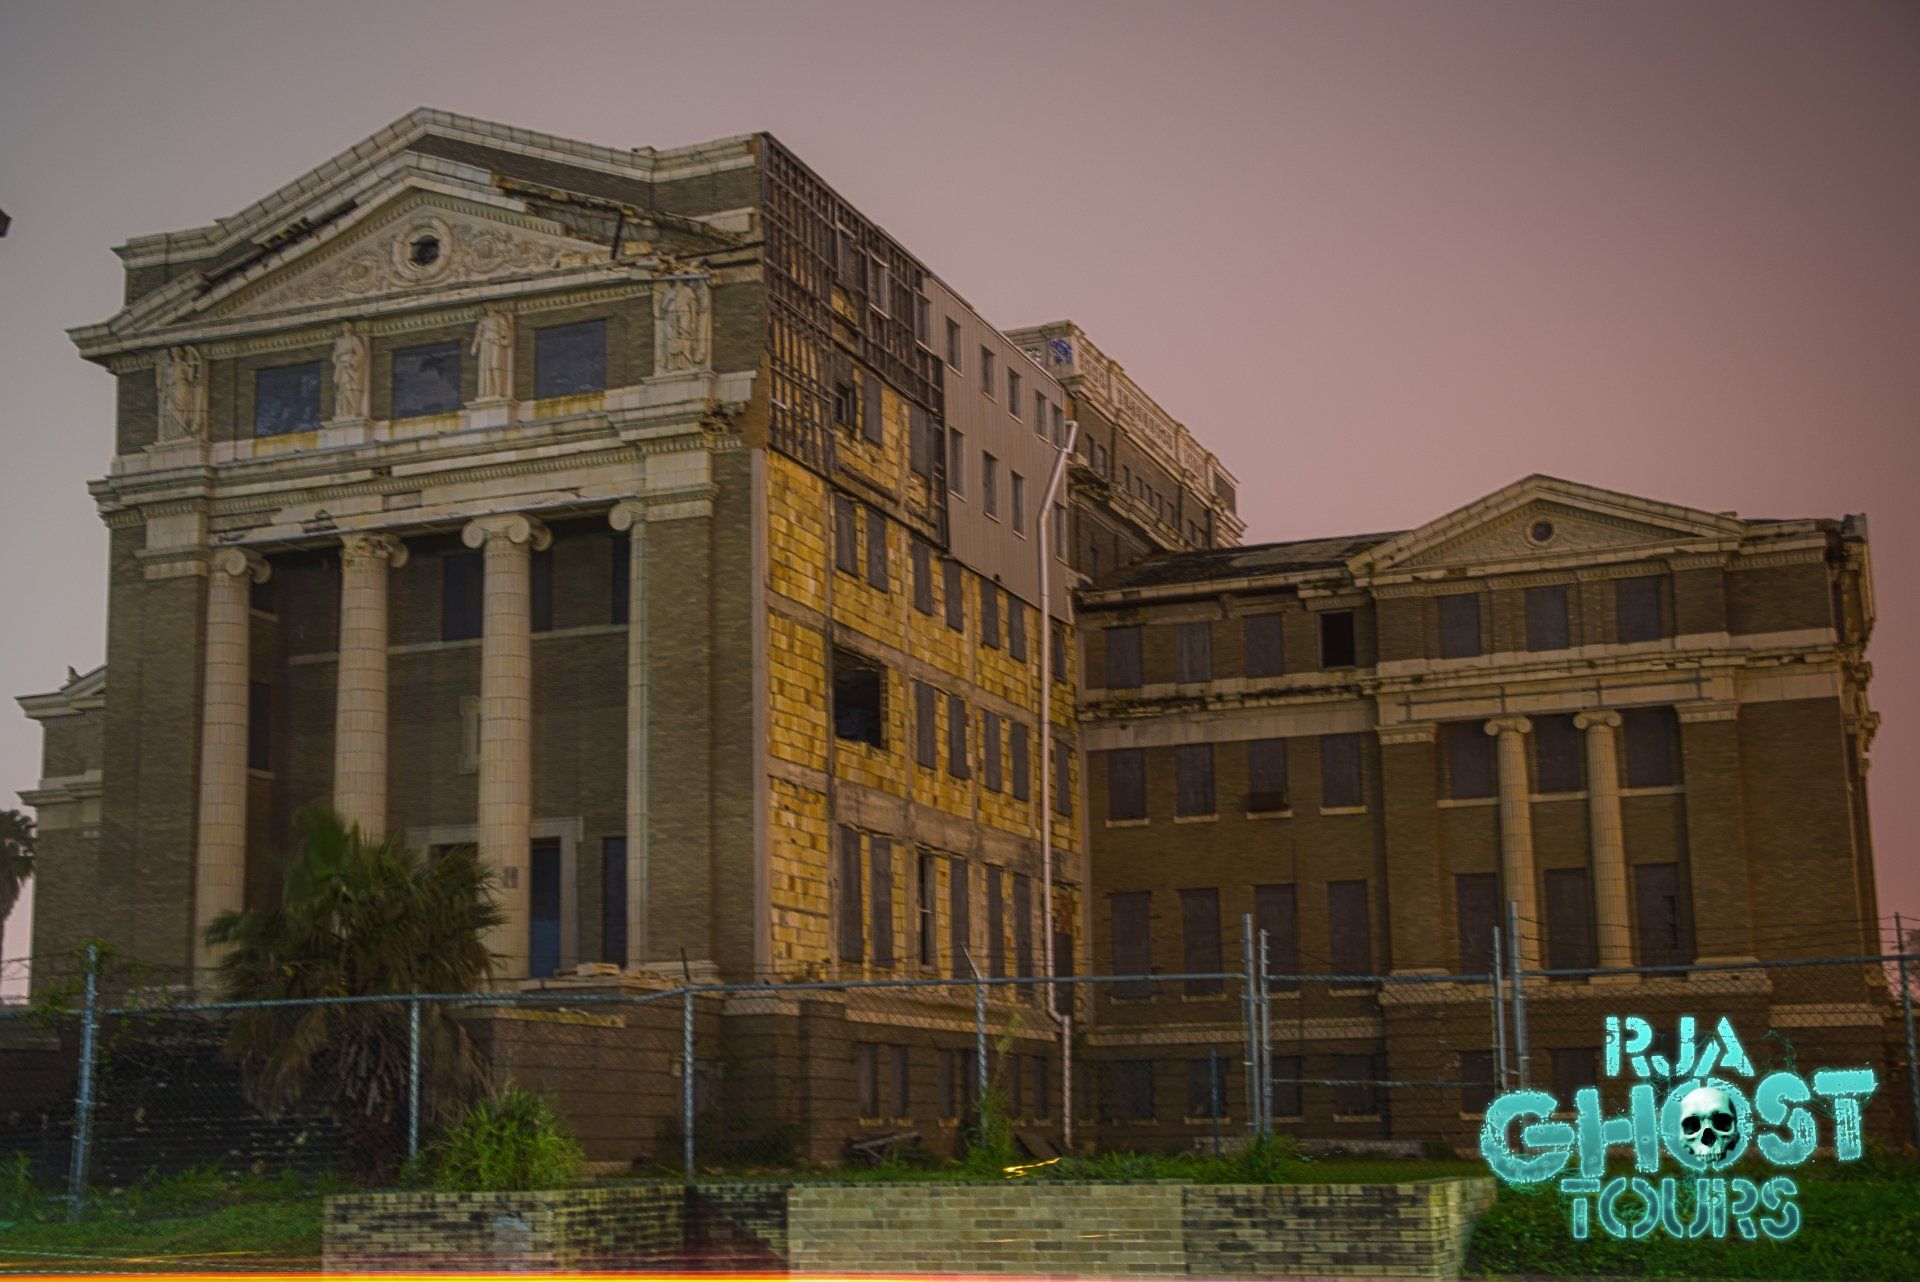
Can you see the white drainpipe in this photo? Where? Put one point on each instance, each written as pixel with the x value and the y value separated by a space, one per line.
pixel 1044 542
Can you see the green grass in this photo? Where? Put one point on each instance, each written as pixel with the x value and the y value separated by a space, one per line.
pixel 1859 1225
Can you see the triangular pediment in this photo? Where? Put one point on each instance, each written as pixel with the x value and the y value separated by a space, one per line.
pixel 421 240
pixel 1542 518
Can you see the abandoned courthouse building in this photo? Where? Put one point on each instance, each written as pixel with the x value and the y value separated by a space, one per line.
pixel 655 522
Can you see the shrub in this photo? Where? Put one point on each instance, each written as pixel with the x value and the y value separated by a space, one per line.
pixel 510 1143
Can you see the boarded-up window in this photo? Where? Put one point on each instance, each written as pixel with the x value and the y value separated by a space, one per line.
pixel 1132 948
pixel 1547 618
pixel 620 579
pixel 960 911
pixel 1476 906
pixel 926 884
pixel 1649 736
pixel 990 485
pixel 1123 657
pixel 426 380
pixel 1476 1082
pixel 1358 1095
pixel 919 441
pixel 1016 628
pixel 613 900
pixel 876 549
pixel 462 576
pixel 872 424
pixel 1041 1091
pixel 1349 928
pixel 1460 625
pixel 1569 895
pixel 922 576
pixel 1469 760
pixel 1558 748
pixel 1286 1086
pixel 1276 911
pixel 1656 894
pixel 1023 930
pixel 898 1103
pixel 1266 776
pixel 259 726
pixel 1200 927
pixel 1126 1090
pixel 853 945
pixel 953 589
pixel 925 740
pixel 1022 768
pixel 1126 783
pixel 880 878
pixel 990 751
pixel 846 535
pixel 1266 655
pixel 570 360
pixel 996 924
pixel 1058 631
pixel 286 398
pixel 1340 771
pixel 989 614
pixel 1339 645
pixel 540 590
pixel 1193 779
pixel 1063 780
pixel 1207 1087
pixel 866 1076
pixel 957 462
pixel 1193 651
pixel 1636 605
pixel 957 738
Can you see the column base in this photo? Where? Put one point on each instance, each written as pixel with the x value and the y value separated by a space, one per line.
pixel 344 431
pixel 495 411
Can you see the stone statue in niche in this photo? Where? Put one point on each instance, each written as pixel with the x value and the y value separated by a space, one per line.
pixel 680 326
pixel 181 377
pixel 492 349
pixel 351 358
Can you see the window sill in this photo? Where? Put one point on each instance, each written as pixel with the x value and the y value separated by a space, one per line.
pixel 1196 819
pixel 1343 810
pixel 1466 803
pixel 254 772
pixel 1356 1117
pixel 1269 814
pixel 1350 992
pixel 1655 790
pixel 1128 823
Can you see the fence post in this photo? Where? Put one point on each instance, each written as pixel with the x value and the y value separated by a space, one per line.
pixel 1519 995
pixel 1252 1023
pixel 1266 1042
pixel 413 1078
pixel 979 1040
pixel 83 1104
pixel 1906 1013
pixel 1499 1021
pixel 686 1081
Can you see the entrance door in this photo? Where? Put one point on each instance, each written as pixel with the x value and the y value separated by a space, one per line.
pixel 543 931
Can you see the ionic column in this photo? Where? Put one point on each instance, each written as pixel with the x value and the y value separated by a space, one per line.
pixel 220 863
pixel 360 708
pixel 1608 839
pixel 506 721
pixel 631 515
pixel 1516 835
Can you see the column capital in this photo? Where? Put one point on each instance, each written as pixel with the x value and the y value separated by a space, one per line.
pixel 514 527
pixel 239 562
pixel 1598 717
pixel 360 547
pixel 1509 725
pixel 627 513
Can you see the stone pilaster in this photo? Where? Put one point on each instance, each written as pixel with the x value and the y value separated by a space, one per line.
pixel 1409 795
pixel 1608 838
pixel 360 707
pixel 1716 829
pixel 1516 834
pixel 506 723
pixel 630 515
pixel 220 864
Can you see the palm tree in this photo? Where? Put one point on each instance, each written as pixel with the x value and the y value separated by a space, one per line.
pixel 359 918
pixel 16 858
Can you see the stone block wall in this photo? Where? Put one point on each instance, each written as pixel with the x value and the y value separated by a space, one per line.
pixel 558 1229
pixel 1333 1230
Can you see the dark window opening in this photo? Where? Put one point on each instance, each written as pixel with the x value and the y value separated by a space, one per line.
pixel 1656 894
pixel 540 590
pixel 1276 911
pixel 846 405
pixel 922 555
pixel 462 579
pixel 1340 783
pixel 1637 609
pixel 1351 944
pixel 1477 1086
pixel 996 923
pixel 1286 1086
pixel 872 421
pixel 543 907
pixel 613 900
pixel 1266 776
pixel 1339 646
pixel 846 535
pixel 1062 780
pixel 1470 760
pixel 620 579
pixel 1207 1087
pixel 990 777
pixel 1022 769
pixel 859 699
pixel 1200 926
pixel 1132 946
pixel 426 380
pixel 1476 905
pixel 570 360
pixel 960 913
pixel 1023 931
pixel 1126 1090
pixel 1558 750
pixel 286 398
pixel 925 733
pixel 953 590
pixel 927 888
pixel 989 614
pixel 259 726
pixel 1359 1096
pixel 1570 935
pixel 1016 629
pixel 1652 747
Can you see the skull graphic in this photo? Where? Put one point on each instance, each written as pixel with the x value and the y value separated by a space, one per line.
pixel 1707 1123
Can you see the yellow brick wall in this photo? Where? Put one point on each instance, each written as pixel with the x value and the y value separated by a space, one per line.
pixel 800 856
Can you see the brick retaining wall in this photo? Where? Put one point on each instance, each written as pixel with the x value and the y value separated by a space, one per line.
pixel 1149 1229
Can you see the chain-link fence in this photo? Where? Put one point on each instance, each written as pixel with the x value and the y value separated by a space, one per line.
pixel 117 1071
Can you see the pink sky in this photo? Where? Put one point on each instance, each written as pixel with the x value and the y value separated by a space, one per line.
pixel 1383 258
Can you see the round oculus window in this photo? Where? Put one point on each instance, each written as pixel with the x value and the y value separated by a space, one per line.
pixel 1541 532
pixel 424 251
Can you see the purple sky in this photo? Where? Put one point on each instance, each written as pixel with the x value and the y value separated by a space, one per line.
pixel 1382 258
